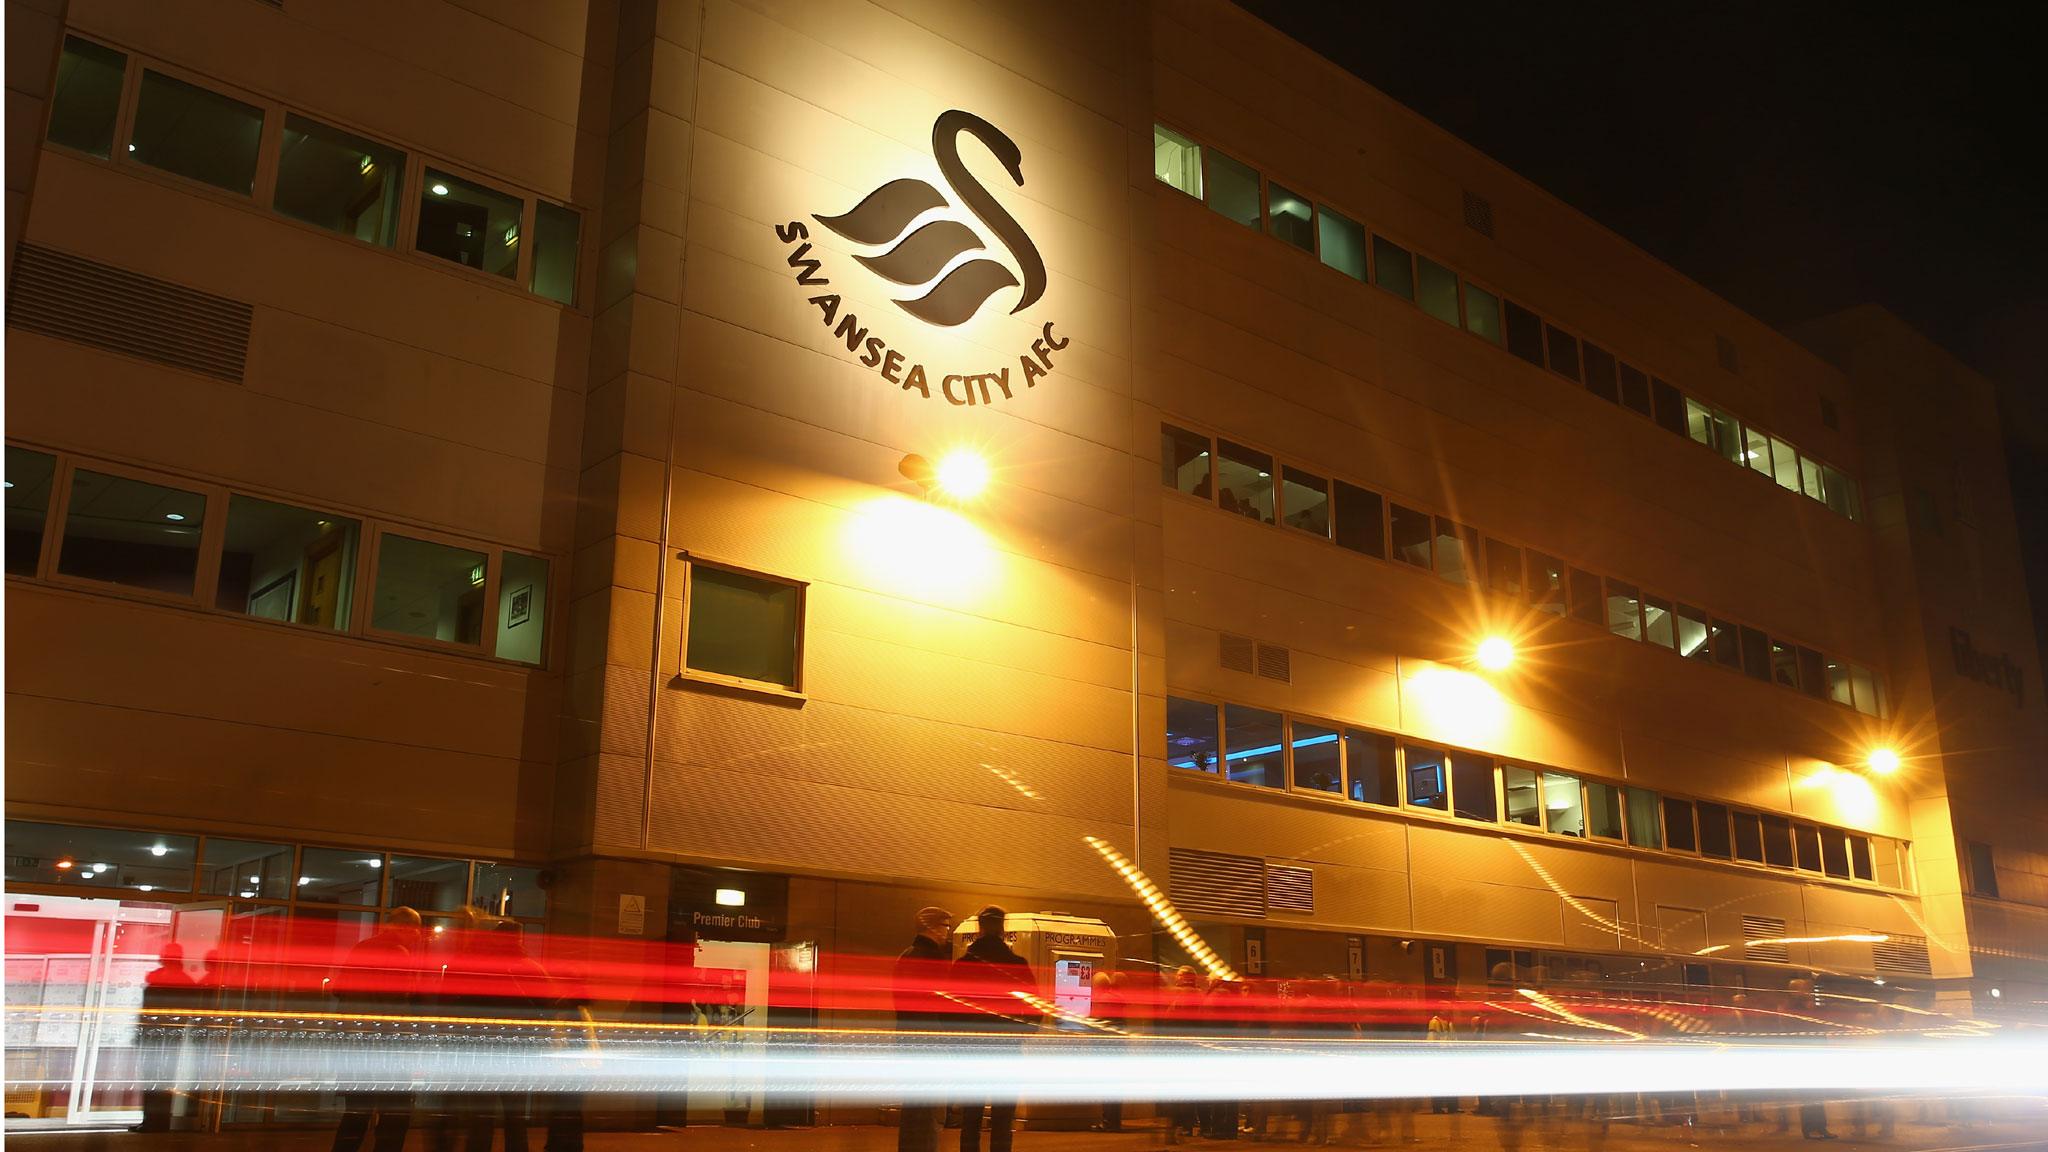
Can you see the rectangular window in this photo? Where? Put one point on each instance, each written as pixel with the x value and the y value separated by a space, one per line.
pixel 430 590
pixel 1756 653
pixel 1692 633
pixel 1756 450
pixel 1342 242
pixel 1727 641
pixel 1369 768
pixel 1176 161
pixel 509 890
pixel 131 532
pixel 1522 790
pixel 1838 682
pixel 1318 759
pixel 1233 189
pixel 1564 809
pixel 1564 351
pixel 1643 828
pixel 1834 853
pixel 31 477
pixel 1393 267
pixel 1600 372
pixel 1525 332
pixel 284 563
pixel 1436 289
pixel 1289 217
pixel 1714 831
pixel 1864 686
pixel 1305 499
pixel 1784 465
pixel 1252 751
pixel 1809 478
pixel 1482 313
pixel 1191 735
pixel 1425 777
pixel 339 181
pixel 1749 836
pixel 744 627
pixel 1635 390
pixel 97 858
pixel 1806 846
pixel 1840 492
pixel 1624 610
pixel 1589 604
pixel 1890 860
pixel 1244 481
pixel 1813 676
pixel 340 876
pixel 1457 550
pixel 86 99
pixel 1411 532
pixel 1358 520
pixel 1728 437
pixel 522 608
pixel 1503 569
pixel 1670 405
pixel 1472 787
pixel 557 240
pixel 1657 622
pixel 474 226
pixel 1859 858
pixel 428 883
pixel 1699 422
pixel 1777 833
pixel 1546 583
pixel 1603 810
pixel 1785 664
pixel 1184 460
pixel 1982 866
pixel 1678 828
pixel 196 133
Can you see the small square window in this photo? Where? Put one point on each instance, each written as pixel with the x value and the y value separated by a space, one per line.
pixel 196 133
pixel 1600 380
pixel 1184 461
pixel 1176 161
pixel 1305 500
pixel 1411 532
pixel 339 181
pixel 1564 352
pixel 1343 242
pixel 1318 758
pixel 1233 189
pixel 522 608
pixel 284 563
pixel 1244 481
pixel 1482 313
pixel 745 627
pixel 1289 217
pixel 1191 735
pixel 1359 520
pixel 430 590
pixel 132 532
pixel 1393 268
pixel 1436 289
pixel 86 99
pixel 474 226
pixel 31 476
pixel 557 240
pixel 1369 768
pixel 1525 333
pixel 1252 747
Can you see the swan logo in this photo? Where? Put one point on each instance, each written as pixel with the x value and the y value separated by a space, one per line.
pixel 942 281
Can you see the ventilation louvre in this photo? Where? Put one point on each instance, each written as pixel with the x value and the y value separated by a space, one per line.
pixel 1236 653
pixel 1725 349
pixel 1276 663
pixel 1479 214
pixel 1290 889
pixel 1901 956
pixel 1756 929
pixel 71 298
pixel 1218 884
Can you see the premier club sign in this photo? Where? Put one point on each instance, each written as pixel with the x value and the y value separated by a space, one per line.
pixel 938 267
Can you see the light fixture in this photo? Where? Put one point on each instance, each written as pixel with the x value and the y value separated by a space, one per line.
pixel 146 887
pixel 960 474
pixel 476 576
pixel 157 849
pixel 438 929
pixel 1995 993
pixel 305 880
pixel 174 516
pixel 255 879
pixel 1883 761
pixel 440 190
pixel 65 863
pixel 248 895
pixel 131 147
pixel 99 868
pixel 731 897
pixel 1496 653
pixel 376 861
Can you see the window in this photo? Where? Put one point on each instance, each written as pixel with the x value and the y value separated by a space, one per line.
pixel 744 627
pixel 1715 429
pixel 1411 532
pixel 98 857
pixel 1635 390
pixel 1289 217
pixel 1425 777
pixel 557 239
pixel 1600 373
pixel 1670 405
pixel 1657 622
pixel 1809 478
pixel 284 563
pixel 1191 732
pixel 1838 682
pixel 1588 605
pixel 1726 640
pixel 1864 687
pixel 1359 517
pixel 340 876
pixel 509 890
pixel 1503 568
pixel 1603 810
pixel 1472 787
pixel 1522 789
pixel 1643 829
pixel 1806 846
pixel 1176 161
pixel 1244 481
pixel 31 476
pixel 1813 677
pixel 1343 242
pixel 1756 450
pixel 1834 853
pixel 427 589
pixel 1714 831
pixel 1482 313
pixel 1456 551
pixel 1546 583
pixel 1305 498
pixel 1184 461
pixel 1436 289
pixel 339 181
pixel 522 608
pixel 1859 858
pixel 1785 664
pixel 1564 352
pixel 474 226
pixel 1318 757
pixel 1369 768
pixel 132 532
pixel 1749 837
pixel 1233 189
pixel 1756 653
pixel 1678 829
pixel 1692 633
pixel 1624 610
pixel 1252 749
pixel 1393 268
pixel 249 870
pixel 196 133
pixel 1840 492
pixel 86 99
pixel 1525 332
pixel 1563 808
pixel 1981 866
pixel 428 883
pixel 1890 860
pixel 1784 465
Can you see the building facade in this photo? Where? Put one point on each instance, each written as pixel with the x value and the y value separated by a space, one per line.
pixel 463 453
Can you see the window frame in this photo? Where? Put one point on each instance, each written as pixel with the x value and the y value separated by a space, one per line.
pixel 212 531
pixel 798 668
pixel 268 133
pixel 365 595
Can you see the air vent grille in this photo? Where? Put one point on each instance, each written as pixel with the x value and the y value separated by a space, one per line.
pixel 1764 936
pixel 1276 663
pixel 1901 956
pixel 1479 214
pixel 1725 349
pixel 1217 884
pixel 1290 889
pixel 71 298
pixel 1237 653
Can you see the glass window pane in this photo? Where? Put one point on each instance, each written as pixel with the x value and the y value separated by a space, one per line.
pixel 1813 677
pixel 1841 492
pixel 1635 389
pixel 1360 520
pixel 251 870
pixel 1657 622
pixel 557 240
pixel 1838 682
pixel 86 97
pixel 1624 610
pixel 1525 333
pixel 1425 777
pixel 430 590
pixel 1784 465
pixel 1670 404
pixel 131 532
pixel 1564 352
pixel 1503 568
pixel 1834 853
pixel 1343 242
pixel 1644 831
pixel 1369 768
pixel 1749 837
pixel 1191 734
pixel 1176 160
pixel 340 875
pixel 196 133
pixel 1600 372
pixel 339 181
pixel 474 226
pixel 1699 422
pixel 1692 633
pixel 1318 758
pixel 744 626
pixel 1809 478
pixel 522 608
pixel 1305 498
pixel 1482 313
pixel 1603 810
pixel 1756 654
pixel 1546 583
pixel 1411 532
pixel 1244 481
pixel 1521 788
pixel 1728 438
pixel 1589 603
pixel 1393 268
pixel 1714 831
pixel 509 890
pixel 428 883
pixel 1678 830
pixel 1184 460
pixel 1564 812
pixel 1436 289
pixel 1472 787
pixel 1806 840
pixel 1859 858
pixel 1726 639
pixel 1233 189
pixel 1457 550
pixel 1251 746
pixel 1785 664
pixel 284 563
pixel 98 857
pixel 1864 686
pixel 1289 217
pixel 1890 857
pixel 30 478
pixel 1777 841
pixel 1756 450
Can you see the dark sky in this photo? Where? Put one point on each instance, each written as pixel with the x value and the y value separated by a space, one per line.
pixel 1794 158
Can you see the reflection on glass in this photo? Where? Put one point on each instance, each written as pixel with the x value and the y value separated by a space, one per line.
pixel 1657 621
pixel 1692 633
pixel 340 875
pixel 30 478
pixel 87 97
pixel 1678 825
pixel 1425 778
pixel 1777 841
pixel 428 884
pixel 1184 460
pixel 1436 289
pixel 1546 583
pixel 131 532
pixel 196 133
pixel 1343 242
pixel 470 224
pixel 98 857
pixel 1603 810
pixel 1412 532
pixel 1233 189
pixel 1472 787
pixel 1244 481
pixel 1369 765
pixel 1714 839
pixel 1289 217
pixel 743 626
pixel 1503 569
pixel 250 870
pixel 339 181
pixel 1392 268
pixel 1749 836
pixel 1482 313
pixel 1191 734
pixel 1318 759
pixel 1521 789
pixel 428 589
pixel 286 563
pixel 1176 160
pixel 1643 827
pixel 1624 610
pixel 1457 550
pixel 510 890
pixel 1252 747
pixel 1563 812
pixel 1305 497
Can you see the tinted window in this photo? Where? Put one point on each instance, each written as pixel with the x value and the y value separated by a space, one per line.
pixel 1525 333
pixel 1859 858
pixel 1784 664
pixel 1546 583
pixel 197 133
pixel 1176 160
pixel 429 589
pixel 1692 633
pixel 246 869
pixel 31 476
pixel 474 226
pixel 1504 568
pixel 1411 532
pixel 1564 352
pixel 1749 837
pixel 1714 831
pixel 1624 610
pixel 1472 786
pixel 1369 766
pixel 509 890
pixel 87 97
pixel 1588 604
pixel 1657 622
pixel 557 241
pixel 1184 460
pixel 1834 853
pixel 339 181
pixel 97 858
pixel 1521 788
pixel 1343 242
pixel 1425 777
pixel 1670 404
pixel 1813 676
pixel 1318 760
pixel 1806 842
pixel 1244 481
pixel 428 883
pixel 1392 268
pixel 1359 516
pixel 1191 734
pixel 1436 289
pixel 1643 826
pixel 284 563
pixel 1777 841
pixel 1305 500
pixel 1289 217
pixel 1756 654
pixel 743 626
pixel 1233 189
pixel 1482 313
pixel 1635 389
pixel 1251 746
pixel 131 532
pixel 340 876
pixel 1678 831
pixel 1599 372
pixel 1457 550
pixel 1603 810
pixel 1726 640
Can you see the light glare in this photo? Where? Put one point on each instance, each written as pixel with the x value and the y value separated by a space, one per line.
pixel 1884 761
pixel 962 474
pixel 1496 653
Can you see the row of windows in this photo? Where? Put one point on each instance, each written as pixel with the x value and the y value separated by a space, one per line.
pixel 306 170
pixel 255 557
pixel 1239 193
pixel 1249 482
pixel 1262 748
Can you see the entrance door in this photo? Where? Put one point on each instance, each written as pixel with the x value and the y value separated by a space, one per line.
pixel 735 1006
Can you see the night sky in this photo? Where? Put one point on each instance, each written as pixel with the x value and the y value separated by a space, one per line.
pixel 1794 158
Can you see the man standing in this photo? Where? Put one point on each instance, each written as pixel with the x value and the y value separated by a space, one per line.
pixel 920 970
pixel 379 978
pixel 987 976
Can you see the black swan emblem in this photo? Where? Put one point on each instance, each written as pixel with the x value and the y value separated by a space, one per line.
pixel 918 258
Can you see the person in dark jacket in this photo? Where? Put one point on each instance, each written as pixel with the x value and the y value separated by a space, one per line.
pixel 379 978
pixel 920 970
pixel 986 977
pixel 168 993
